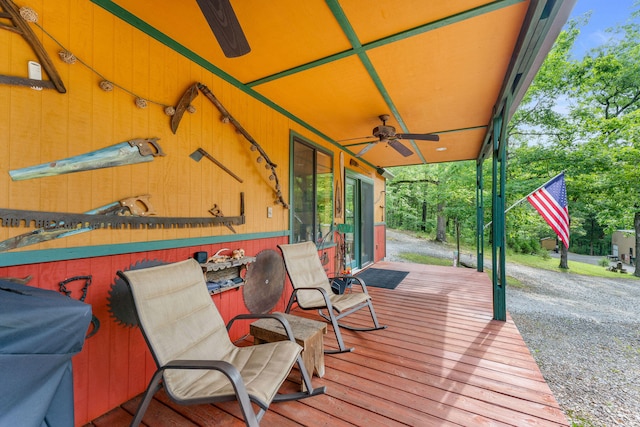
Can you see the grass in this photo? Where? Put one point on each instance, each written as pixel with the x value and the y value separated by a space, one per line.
pixel 425 259
pixel 537 261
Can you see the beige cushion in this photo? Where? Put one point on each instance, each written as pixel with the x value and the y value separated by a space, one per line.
pixel 306 271
pixel 181 322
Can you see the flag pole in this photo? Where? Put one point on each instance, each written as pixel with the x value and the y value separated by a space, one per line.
pixel 524 198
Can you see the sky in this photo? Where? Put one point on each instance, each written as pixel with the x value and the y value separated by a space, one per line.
pixel 605 14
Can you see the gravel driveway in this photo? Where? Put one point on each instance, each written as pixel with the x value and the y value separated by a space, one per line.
pixel 584 332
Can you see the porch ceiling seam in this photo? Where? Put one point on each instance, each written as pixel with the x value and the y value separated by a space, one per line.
pixel 347 28
pixel 358 48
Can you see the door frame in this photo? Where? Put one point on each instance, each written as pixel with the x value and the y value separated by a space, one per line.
pixel 359 227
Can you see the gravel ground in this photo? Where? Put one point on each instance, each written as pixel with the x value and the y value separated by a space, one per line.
pixel 584 333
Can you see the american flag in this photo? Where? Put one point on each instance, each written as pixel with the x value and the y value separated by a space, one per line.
pixel 550 201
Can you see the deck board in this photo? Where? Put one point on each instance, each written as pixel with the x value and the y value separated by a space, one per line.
pixel 442 361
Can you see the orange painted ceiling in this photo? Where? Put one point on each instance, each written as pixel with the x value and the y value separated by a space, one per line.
pixel 436 66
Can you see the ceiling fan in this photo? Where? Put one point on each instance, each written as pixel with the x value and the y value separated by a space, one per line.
pixel 225 26
pixel 388 134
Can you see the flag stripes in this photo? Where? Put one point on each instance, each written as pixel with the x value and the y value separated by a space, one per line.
pixel 556 216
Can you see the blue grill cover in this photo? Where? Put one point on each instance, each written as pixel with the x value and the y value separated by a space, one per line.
pixel 40 331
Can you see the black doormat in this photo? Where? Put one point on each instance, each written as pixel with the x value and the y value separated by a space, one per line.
pixel 380 278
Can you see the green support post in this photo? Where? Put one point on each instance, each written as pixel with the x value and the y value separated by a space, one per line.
pixel 479 217
pixel 498 224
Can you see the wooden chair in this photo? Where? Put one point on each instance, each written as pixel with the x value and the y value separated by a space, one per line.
pixel 312 290
pixel 197 362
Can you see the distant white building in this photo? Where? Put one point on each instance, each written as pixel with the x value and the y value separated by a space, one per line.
pixel 623 243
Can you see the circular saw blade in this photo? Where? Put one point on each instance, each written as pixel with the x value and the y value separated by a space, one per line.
pixel 120 301
pixel 264 282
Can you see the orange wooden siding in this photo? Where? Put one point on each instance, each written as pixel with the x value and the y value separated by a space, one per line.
pixel 43 126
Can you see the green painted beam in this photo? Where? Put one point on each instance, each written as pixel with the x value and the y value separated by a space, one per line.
pixel 136 22
pixel 62 254
pixel 358 48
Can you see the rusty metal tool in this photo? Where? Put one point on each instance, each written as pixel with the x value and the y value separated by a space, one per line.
pixel 200 153
pixel 183 104
pixel 228 118
pixel 125 153
pixel 217 213
pixel 27 218
pixel 73 221
pixel 137 206
pixel 264 282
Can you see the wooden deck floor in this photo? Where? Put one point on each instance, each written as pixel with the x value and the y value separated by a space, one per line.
pixel 442 361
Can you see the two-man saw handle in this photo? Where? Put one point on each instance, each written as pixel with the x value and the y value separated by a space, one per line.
pixel 139 205
pixel 147 146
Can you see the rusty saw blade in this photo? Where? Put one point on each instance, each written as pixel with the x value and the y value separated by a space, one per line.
pixel 264 282
pixel 53 220
pixel 137 206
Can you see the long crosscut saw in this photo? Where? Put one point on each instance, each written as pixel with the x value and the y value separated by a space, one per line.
pixel 72 222
pixel 125 153
pixel 136 206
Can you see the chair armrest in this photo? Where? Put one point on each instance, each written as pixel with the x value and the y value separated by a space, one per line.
pixel 230 371
pixel 278 316
pixel 324 293
pixel 352 280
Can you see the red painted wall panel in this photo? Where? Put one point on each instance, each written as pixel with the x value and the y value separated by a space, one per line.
pixel 380 239
pixel 114 364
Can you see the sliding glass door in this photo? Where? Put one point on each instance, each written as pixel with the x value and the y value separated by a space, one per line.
pixel 358 217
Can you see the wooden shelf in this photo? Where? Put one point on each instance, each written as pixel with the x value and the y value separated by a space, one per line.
pixel 216 266
pixel 228 288
pixel 228 270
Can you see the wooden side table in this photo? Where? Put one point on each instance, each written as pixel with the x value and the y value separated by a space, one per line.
pixel 307 333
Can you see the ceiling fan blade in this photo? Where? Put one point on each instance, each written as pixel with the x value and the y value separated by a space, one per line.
pixel 419 136
pixel 395 144
pixel 225 26
pixel 366 148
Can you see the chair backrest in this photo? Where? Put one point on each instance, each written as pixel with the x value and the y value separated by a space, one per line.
pixel 305 270
pixel 176 313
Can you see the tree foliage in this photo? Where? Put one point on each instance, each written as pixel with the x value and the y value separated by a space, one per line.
pixel 580 116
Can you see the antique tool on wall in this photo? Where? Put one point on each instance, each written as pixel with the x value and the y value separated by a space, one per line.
pixel 200 153
pixel 339 194
pixel 228 118
pixel 95 323
pixel 136 206
pixel 125 153
pixel 120 301
pixel 264 282
pixel 183 105
pixel 40 219
pixel 12 13
pixel 216 212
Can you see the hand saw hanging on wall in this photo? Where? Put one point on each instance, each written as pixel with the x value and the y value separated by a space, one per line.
pixel 125 153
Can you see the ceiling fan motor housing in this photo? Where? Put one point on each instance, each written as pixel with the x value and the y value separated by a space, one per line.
pixel 384 132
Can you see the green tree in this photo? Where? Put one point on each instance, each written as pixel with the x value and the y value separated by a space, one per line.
pixel 581 116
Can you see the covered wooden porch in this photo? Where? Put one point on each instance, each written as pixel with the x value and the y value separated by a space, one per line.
pixel 442 361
